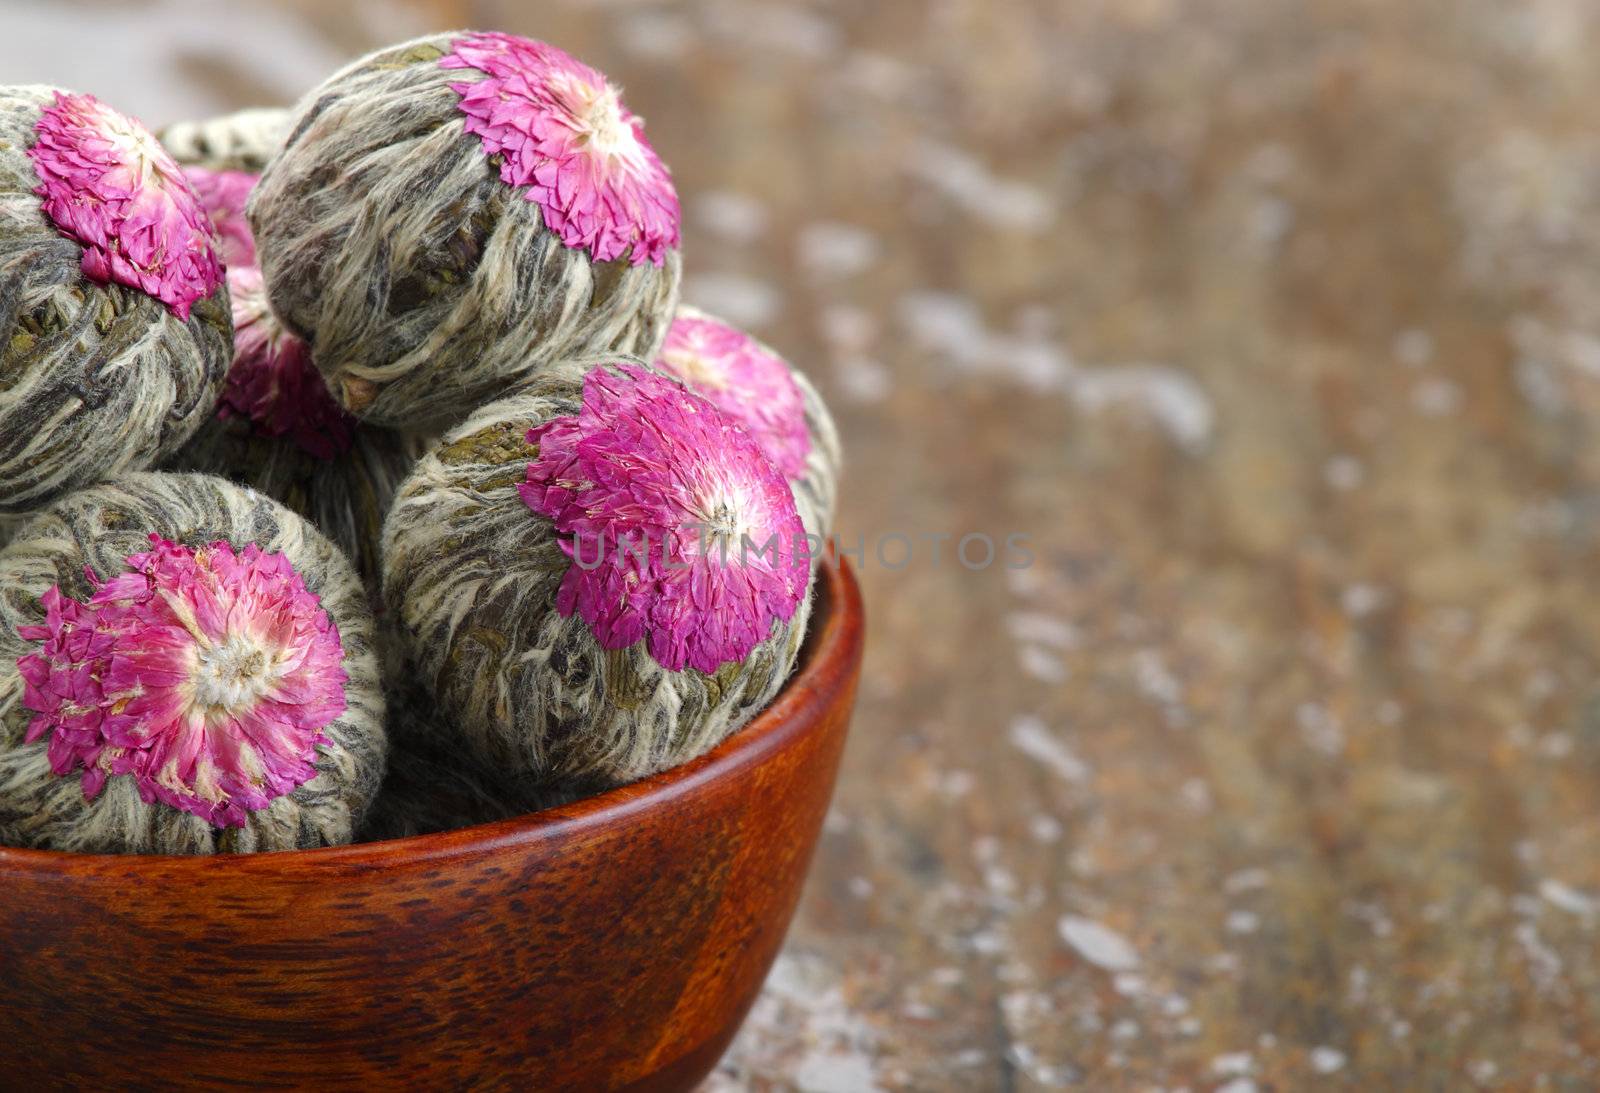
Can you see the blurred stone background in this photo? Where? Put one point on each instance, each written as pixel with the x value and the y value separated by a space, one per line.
pixel 1276 329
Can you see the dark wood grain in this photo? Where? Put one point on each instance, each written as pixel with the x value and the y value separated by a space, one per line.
pixel 613 943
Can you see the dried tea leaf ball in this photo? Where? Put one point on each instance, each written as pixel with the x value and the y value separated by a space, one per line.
pixel 276 427
pixel 568 573
pixel 432 782
pixel 749 382
pixel 114 324
pixel 241 141
pixel 452 214
pixel 185 667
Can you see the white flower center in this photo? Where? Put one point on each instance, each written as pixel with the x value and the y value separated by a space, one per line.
pixel 230 677
pixel 725 524
pixel 136 147
pixel 696 367
pixel 597 115
pixel 250 308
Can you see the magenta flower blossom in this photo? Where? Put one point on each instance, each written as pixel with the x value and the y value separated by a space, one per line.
pixel 562 132
pixel 745 381
pixel 670 508
pixel 109 185
pixel 272 381
pixel 223 195
pixel 208 675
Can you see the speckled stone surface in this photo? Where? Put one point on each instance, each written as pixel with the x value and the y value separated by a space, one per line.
pixel 1276 329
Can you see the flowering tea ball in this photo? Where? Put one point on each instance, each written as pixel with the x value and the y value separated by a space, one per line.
pixel 241 141
pixel 185 667
pixel 114 326
pixel 276 427
pixel 457 212
pixel 567 572
pixel 432 783
pixel 775 402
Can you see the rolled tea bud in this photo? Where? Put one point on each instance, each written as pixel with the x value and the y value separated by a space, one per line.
pixel 114 325
pixel 241 141
pixel 276 427
pixel 186 667
pixel 452 214
pixel 760 390
pixel 223 158
pixel 597 577
pixel 432 782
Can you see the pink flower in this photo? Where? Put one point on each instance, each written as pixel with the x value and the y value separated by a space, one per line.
pixel 745 381
pixel 671 508
pixel 223 195
pixel 208 675
pixel 562 132
pixel 108 184
pixel 272 381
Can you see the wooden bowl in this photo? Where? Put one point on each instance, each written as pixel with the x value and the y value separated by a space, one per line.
pixel 615 943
